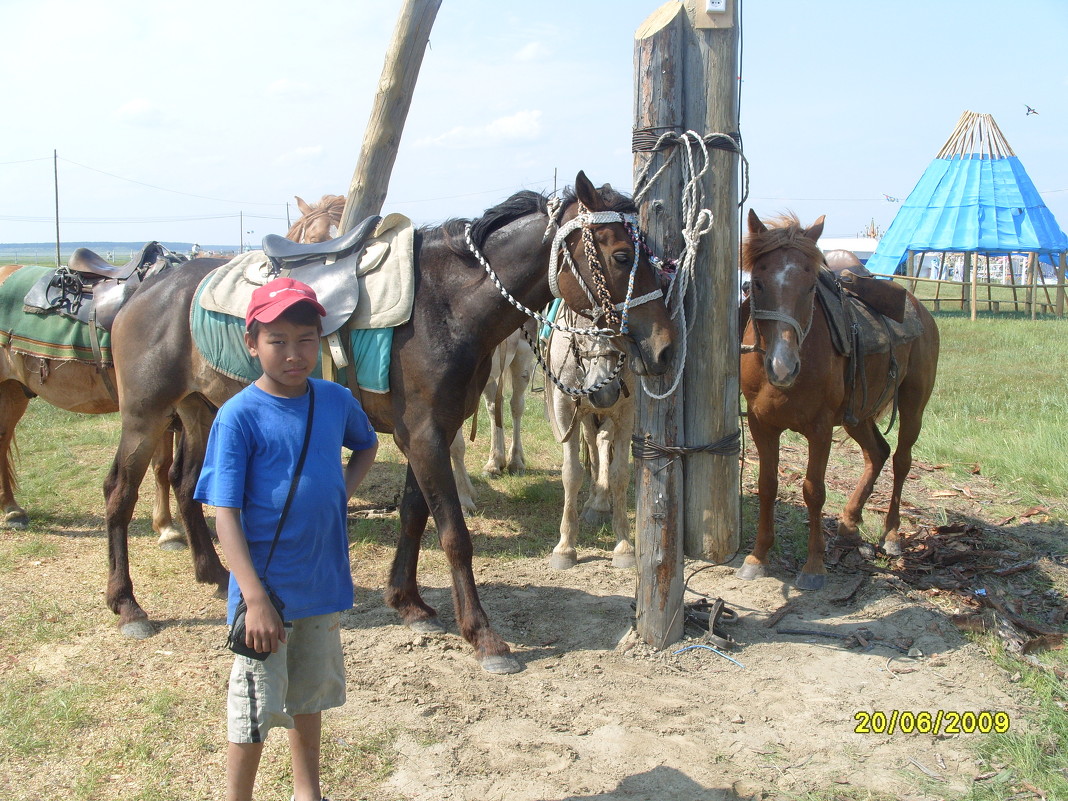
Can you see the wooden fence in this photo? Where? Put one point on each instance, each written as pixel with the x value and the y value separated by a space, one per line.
pixel 1034 296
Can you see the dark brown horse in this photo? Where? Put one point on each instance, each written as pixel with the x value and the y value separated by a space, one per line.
pixel 794 378
pixel 440 361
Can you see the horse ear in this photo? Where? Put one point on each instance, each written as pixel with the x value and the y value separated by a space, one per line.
pixel 587 193
pixel 755 225
pixel 304 207
pixel 815 231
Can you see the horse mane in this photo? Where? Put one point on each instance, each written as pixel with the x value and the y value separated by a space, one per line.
pixel 784 231
pixel 332 206
pixel 521 204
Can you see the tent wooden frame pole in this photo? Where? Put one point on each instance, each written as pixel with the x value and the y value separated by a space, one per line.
pixel 1062 267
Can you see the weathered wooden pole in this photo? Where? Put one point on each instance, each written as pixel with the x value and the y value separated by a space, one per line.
pixel 1061 263
pixel 713 479
pixel 675 70
pixel 381 139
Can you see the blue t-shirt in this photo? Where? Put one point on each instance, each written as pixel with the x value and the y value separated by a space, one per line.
pixel 252 452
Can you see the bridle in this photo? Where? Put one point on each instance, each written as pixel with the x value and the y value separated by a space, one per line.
pixel 614 313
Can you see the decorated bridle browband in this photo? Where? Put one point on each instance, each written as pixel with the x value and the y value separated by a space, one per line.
pixel 583 220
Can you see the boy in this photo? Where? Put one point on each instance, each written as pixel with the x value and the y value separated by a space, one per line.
pixel 252 452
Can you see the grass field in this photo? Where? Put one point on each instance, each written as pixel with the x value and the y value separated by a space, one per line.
pixel 1000 407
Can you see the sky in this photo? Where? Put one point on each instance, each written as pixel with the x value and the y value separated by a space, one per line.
pixel 200 121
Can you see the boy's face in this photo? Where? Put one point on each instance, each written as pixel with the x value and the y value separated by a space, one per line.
pixel 288 353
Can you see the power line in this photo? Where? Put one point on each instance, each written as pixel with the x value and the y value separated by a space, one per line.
pixel 172 191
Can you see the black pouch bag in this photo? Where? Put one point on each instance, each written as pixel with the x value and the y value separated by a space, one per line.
pixel 236 639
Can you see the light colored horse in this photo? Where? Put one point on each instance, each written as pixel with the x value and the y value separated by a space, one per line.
pixel 603 421
pixel 511 371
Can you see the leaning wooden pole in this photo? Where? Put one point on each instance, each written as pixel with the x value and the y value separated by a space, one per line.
pixel 381 139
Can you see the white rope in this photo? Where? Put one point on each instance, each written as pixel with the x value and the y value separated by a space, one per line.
pixel 696 223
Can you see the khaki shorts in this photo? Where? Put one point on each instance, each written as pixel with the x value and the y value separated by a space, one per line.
pixel 306 675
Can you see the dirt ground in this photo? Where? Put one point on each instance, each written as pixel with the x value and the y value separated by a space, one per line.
pixel 597 714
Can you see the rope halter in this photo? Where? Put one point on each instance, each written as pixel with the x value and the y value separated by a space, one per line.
pixel 601 306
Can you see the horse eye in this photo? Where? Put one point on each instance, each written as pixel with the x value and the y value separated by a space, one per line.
pixel 622 257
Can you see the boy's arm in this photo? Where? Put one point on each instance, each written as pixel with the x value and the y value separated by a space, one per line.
pixel 356 470
pixel 263 627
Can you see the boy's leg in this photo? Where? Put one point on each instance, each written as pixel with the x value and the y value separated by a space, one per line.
pixel 242 762
pixel 304 740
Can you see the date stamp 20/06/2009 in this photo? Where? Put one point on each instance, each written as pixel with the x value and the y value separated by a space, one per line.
pixel 939 722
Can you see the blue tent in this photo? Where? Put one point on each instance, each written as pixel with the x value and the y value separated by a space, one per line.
pixel 974 197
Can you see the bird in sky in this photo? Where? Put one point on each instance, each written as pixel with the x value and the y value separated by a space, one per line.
pixel 890 198
pixel 1030 110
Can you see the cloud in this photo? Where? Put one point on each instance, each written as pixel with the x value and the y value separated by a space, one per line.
pixel 286 87
pixel 533 51
pixel 301 155
pixel 523 126
pixel 143 113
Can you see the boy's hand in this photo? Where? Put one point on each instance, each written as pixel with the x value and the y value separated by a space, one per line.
pixel 263 627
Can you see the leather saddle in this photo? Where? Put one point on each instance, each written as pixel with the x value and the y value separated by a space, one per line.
pixel 287 254
pixel 91 290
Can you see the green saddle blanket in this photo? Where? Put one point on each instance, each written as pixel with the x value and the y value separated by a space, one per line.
pixel 47 336
pixel 220 338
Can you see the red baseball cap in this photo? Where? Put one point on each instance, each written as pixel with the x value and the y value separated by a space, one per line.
pixel 270 300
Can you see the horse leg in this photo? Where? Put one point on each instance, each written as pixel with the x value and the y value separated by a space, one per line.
pixel 170 538
pixel 13 403
pixel 196 418
pixel 619 483
pixel 464 488
pixel 766 440
pixel 494 394
pixel 876 451
pixel 402 591
pixel 136 444
pixel 564 555
pixel 435 480
pixel 520 376
pixel 814 573
pixel 599 439
pixel 910 416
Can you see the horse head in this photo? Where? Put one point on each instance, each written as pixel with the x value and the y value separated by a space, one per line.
pixel 784 263
pixel 606 275
pixel 317 223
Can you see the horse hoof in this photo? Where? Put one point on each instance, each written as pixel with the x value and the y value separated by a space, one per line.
pixel 866 550
pixel 17 520
pixel 500 665
pixel 750 572
pixel 560 561
pixel 810 581
pixel 138 629
pixel 892 548
pixel 430 625
pixel 623 560
pixel 595 517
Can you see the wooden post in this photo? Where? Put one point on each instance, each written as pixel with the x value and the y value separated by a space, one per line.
pixel 381 139
pixel 1061 264
pixel 686 80
pixel 1032 283
pixel 659 78
pixel 966 281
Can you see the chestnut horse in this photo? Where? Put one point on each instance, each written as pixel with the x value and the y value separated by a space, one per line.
pixel 472 277
pixel 793 378
pixel 75 386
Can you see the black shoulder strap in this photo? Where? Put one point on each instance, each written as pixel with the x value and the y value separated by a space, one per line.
pixel 296 475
